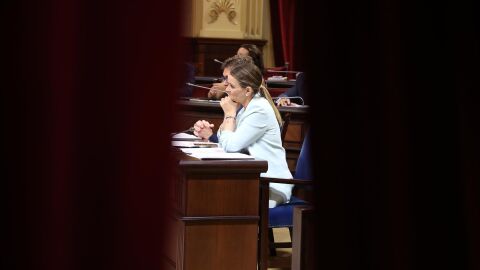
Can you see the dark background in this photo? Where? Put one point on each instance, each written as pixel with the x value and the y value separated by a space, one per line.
pixel 395 96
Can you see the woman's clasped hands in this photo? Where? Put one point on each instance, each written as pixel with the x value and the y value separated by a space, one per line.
pixel 203 129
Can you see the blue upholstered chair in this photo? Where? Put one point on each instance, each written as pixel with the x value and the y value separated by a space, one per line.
pixel 282 214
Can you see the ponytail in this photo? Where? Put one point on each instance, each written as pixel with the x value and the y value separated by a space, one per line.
pixel 264 93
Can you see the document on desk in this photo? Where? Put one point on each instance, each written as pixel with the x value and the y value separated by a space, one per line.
pixel 212 152
pixel 210 155
pixel 192 151
pixel 205 100
pixel 184 137
pixel 189 144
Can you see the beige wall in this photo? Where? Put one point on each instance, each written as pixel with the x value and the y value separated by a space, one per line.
pixel 237 19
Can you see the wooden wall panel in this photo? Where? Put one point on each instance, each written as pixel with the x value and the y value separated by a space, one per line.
pixel 203 50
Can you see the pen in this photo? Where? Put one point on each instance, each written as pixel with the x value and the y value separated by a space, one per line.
pixel 190 129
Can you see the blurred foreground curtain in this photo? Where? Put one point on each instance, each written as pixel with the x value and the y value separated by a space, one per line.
pixel 86 114
pixel 396 132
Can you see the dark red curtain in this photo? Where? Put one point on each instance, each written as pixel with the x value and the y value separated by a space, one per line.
pixel 87 105
pixel 394 90
pixel 283 21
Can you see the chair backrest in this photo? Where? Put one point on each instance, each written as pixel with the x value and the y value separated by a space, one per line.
pixel 304 168
pixel 286 121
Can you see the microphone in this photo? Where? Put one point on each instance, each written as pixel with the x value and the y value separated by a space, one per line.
pixel 189 130
pixel 293 97
pixel 218 61
pixel 199 86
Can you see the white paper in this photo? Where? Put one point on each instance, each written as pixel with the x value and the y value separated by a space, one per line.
pixel 202 150
pixel 206 144
pixel 205 100
pixel 276 78
pixel 194 144
pixel 183 144
pixel 215 155
pixel 185 136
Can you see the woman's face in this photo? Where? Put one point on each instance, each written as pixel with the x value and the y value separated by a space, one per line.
pixel 234 90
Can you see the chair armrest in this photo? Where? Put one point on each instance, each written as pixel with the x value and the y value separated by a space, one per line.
pixel 263 224
pixel 300 190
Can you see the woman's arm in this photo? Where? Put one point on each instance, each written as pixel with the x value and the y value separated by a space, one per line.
pixel 252 128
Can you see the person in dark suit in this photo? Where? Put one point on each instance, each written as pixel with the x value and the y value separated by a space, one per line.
pixel 188 77
pixel 298 90
pixel 245 50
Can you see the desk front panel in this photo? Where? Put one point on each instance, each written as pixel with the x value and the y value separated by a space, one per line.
pixel 219 245
pixel 217 215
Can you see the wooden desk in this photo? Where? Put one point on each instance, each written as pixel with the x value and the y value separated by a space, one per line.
pixel 217 215
pixel 275 88
pixel 204 50
pixel 270 83
pixel 279 84
pixel 191 111
pixel 203 93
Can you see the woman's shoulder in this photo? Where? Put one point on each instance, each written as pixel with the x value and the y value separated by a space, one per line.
pixel 260 103
pixel 257 105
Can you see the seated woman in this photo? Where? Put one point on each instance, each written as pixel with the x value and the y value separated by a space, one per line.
pixel 255 128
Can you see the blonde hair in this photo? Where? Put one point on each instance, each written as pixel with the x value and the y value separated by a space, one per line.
pixel 249 75
pixel 265 93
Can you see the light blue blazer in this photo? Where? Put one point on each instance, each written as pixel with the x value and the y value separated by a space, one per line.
pixel 257 133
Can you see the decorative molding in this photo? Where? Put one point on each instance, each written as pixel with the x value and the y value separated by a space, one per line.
pixel 220 6
pixel 253 20
pixel 235 19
